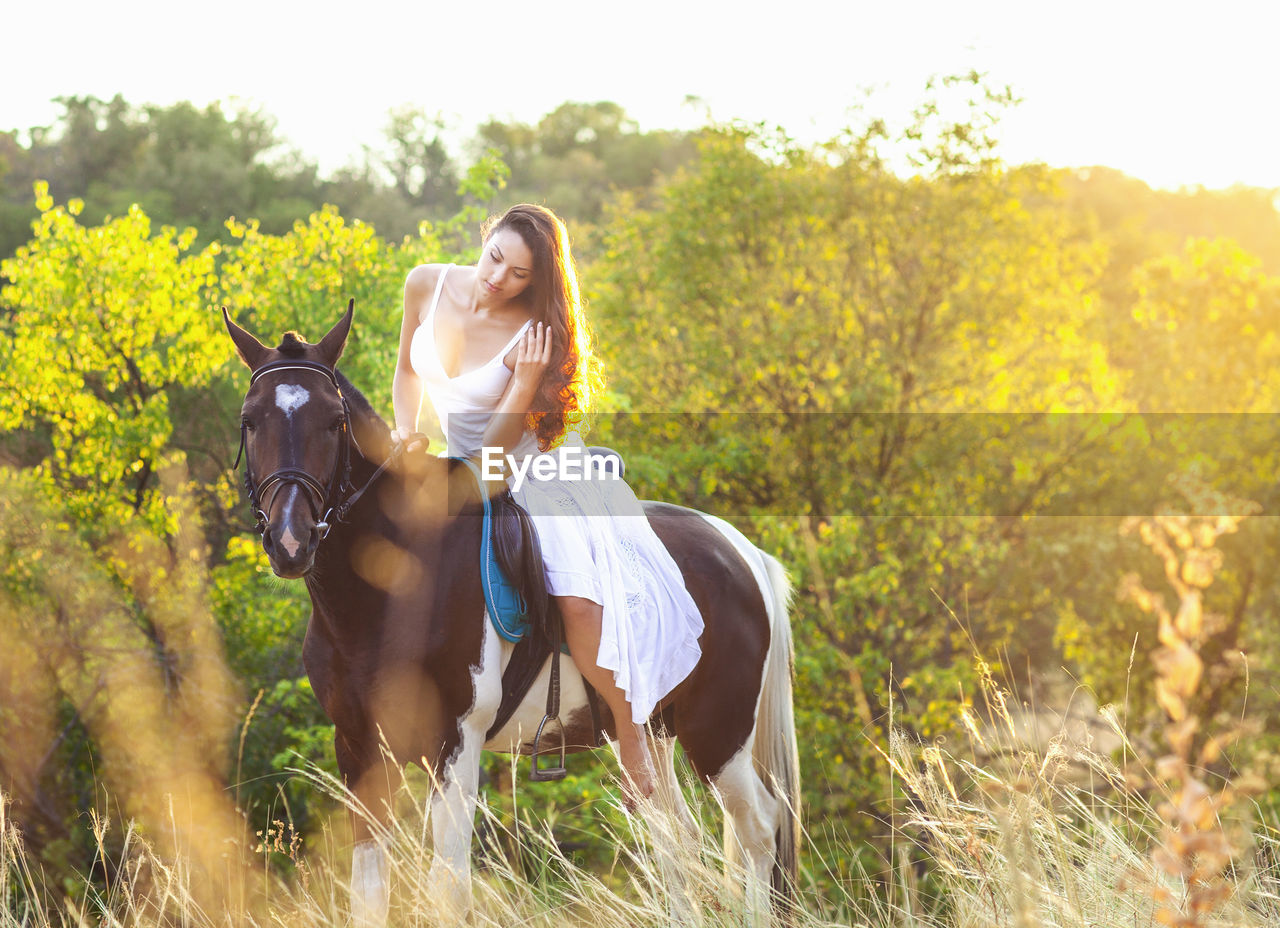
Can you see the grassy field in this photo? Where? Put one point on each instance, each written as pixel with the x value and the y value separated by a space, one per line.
pixel 1051 837
pixel 1065 831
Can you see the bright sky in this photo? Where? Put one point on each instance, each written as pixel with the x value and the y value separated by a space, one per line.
pixel 1177 93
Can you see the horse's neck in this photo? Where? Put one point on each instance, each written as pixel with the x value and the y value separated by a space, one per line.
pixel 407 511
pixel 371 433
pixel 343 597
pixel 426 619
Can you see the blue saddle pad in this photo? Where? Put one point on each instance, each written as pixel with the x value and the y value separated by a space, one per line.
pixel 506 607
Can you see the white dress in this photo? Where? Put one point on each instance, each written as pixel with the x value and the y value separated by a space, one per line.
pixel 596 542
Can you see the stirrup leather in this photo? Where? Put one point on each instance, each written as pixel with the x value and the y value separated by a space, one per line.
pixel 545 774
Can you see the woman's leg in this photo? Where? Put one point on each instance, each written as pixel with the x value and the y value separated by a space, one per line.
pixel 582 619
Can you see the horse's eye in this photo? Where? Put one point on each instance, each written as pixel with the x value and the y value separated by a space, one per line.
pixel 338 424
pixel 247 423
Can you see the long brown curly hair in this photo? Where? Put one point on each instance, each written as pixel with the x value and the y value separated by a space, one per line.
pixel 572 378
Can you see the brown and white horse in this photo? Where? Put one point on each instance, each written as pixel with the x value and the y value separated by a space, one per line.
pixel 401 655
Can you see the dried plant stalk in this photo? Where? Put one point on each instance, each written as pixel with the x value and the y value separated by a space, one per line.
pixel 1192 848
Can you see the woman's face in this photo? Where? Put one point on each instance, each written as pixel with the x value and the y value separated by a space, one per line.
pixel 506 266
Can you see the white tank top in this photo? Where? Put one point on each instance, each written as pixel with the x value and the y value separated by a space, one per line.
pixel 464 404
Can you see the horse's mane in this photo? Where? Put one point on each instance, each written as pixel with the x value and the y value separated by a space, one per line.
pixel 372 432
pixel 360 406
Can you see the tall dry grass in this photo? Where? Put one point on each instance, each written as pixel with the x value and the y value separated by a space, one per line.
pixel 523 876
pixel 995 832
pixel 1055 837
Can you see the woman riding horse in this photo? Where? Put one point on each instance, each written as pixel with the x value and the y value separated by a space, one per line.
pixel 504 351
pixel 398 649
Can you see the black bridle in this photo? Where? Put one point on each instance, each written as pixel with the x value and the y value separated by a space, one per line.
pixel 333 498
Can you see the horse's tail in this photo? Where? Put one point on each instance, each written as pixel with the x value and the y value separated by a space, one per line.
pixel 774 751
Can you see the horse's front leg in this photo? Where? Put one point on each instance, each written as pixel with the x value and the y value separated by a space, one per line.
pixel 370 879
pixel 453 803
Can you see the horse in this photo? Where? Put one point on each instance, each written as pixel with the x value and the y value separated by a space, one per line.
pixel 404 661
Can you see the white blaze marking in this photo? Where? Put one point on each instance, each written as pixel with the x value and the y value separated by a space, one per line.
pixel 290 397
pixel 287 539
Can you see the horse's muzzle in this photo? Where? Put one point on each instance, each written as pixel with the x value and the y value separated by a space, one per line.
pixel 290 557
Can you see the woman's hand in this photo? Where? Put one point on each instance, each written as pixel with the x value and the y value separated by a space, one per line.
pixel 533 355
pixel 402 434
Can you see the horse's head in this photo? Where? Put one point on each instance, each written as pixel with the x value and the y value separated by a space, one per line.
pixel 295 436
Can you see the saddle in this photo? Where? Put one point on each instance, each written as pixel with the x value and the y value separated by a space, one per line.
pixel 521 612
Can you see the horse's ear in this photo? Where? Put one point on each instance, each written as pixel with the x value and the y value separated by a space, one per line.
pixel 252 352
pixel 336 339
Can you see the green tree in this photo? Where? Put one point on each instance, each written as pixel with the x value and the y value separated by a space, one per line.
pixel 185 166
pixel 420 165
pixel 1203 333
pixel 1198 354
pixel 94 142
pixel 579 154
pixel 106 324
pixel 806 338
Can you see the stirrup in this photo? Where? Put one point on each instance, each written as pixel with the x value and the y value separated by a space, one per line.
pixel 547 774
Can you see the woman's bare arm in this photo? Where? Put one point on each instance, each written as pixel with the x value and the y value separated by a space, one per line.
pixel 406 385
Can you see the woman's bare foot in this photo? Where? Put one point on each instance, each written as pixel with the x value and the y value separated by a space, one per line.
pixel 582 618
pixel 638 774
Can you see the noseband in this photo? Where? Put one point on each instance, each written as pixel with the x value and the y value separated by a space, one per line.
pixel 328 498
